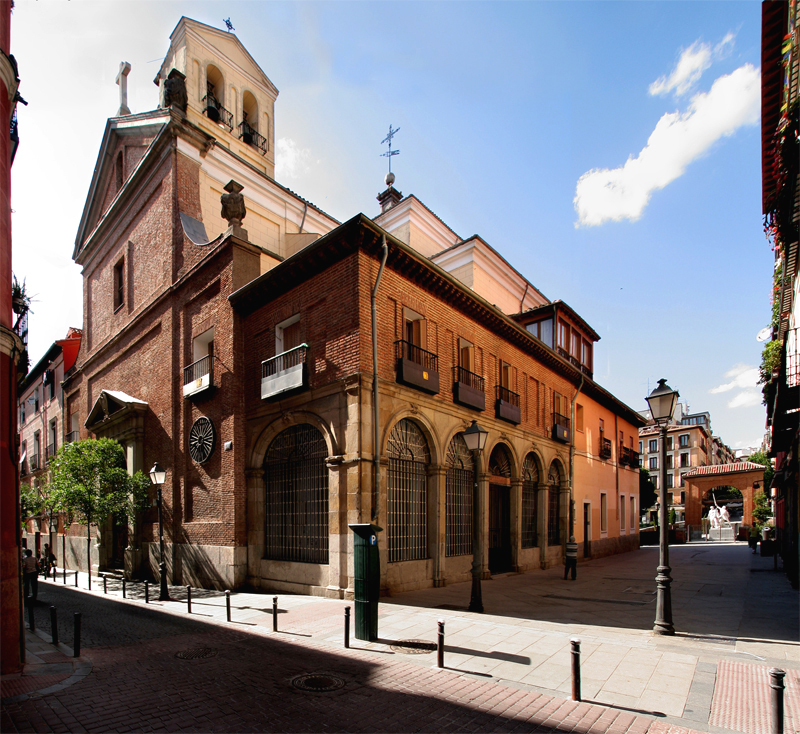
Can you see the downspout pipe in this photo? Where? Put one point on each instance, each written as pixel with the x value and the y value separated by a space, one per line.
pixel 376 413
pixel 572 465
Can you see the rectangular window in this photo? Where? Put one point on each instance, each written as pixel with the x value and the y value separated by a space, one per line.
pixel 505 376
pixel 684 460
pixel 586 354
pixel 640 446
pixel 669 461
pixel 654 462
pixel 575 344
pixel 559 409
pixel 683 498
pixel 669 443
pixel 622 514
pixel 563 335
pixel 633 513
pixel 579 417
pixel 22 413
pixel 602 425
pixel 119 283
pixel 603 512
pixel 36 400
pixel 287 334
pixel 670 481
pixel 669 498
pixel 466 355
pixel 653 448
pixel 654 480
pixel 684 441
pixel 52 443
pixel 546 332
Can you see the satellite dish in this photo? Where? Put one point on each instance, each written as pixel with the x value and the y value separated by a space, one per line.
pixel 764 334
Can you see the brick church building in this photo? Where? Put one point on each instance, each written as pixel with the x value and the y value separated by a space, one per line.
pixel 228 335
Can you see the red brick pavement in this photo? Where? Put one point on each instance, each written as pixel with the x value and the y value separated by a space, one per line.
pixel 14 685
pixel 247 687
pixel 741 698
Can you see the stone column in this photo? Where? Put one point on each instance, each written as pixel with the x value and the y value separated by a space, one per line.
pixel 516 522
pixel 437 520
pixel 254 482
pixel 542 509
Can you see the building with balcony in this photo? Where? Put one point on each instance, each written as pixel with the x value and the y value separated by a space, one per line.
pixel 236 350
pixel 780 369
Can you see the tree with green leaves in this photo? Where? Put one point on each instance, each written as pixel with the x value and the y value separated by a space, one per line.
pixel 761 510
pixel 90 482
pixel 30 503
pixel 760 457
pixel 647 490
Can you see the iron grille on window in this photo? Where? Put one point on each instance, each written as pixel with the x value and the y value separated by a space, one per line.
pixel 71 437
pixel 198 369
pixel 406 350
pixel 465 377
pixel 554 507
pixel 296 502
pixel 34 462
pixel 530 488
pixel 248 134
pixel 407 492
pixel 50 452
pixel 459 486
pixel 216 112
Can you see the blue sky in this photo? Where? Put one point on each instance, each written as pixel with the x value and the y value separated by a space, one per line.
pixel 609 150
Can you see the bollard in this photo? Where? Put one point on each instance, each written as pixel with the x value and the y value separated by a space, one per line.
pixel 440 646
pixel 76 578
pixel 65 572
pixel 575 647
pixel 31 620
pixel 123 588
pixel 105 585
pixel 54 624
pixel 274 613
pixel 228 603
pixel 776 700
pixel 146 592
pixel 76 635
pixel 189 599
pixel 347 626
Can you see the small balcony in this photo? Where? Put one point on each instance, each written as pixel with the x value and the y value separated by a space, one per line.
pixel 468 389
pixel 416 367
pixel 49 452
pixel 605 448
pixel 198 376
pixel 34 462
pixel 250 136
pixel 72 437
pixel 507 405
pixel 215 112
pixel 629 457
pixel 561 428
pixel 24 470
pixel 284 372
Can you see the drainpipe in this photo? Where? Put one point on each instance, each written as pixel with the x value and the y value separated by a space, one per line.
pixel 572 466
pixel 375 433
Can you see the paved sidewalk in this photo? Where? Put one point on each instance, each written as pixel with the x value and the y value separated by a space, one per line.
pixel 734 618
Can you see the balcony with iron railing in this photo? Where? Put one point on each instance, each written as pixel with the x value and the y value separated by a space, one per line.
pixel 284 372
pixel 49 452
pixel 605 448
pixel 561 427
pixel 468 389
pixel 416 367
pixel 198 376
pixel 249 135
pixel 215 112
pixel 507 405
pixel 34 462
pixel 628 457
pixel 72 437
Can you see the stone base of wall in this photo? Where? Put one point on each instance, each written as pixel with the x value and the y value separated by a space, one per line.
pixel 610 546
pixel 202 566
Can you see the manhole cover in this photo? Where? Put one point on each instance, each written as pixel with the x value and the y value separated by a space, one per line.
pixel 413 647
pixel 318 682
pixel 196 654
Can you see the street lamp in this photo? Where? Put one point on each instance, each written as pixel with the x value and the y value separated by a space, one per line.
pixel 662 405
pixel 158 476
pixel 475 438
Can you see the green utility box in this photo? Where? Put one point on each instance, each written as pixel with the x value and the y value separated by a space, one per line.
pixel 367 578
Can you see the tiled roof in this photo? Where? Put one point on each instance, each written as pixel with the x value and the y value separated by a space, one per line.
pixel 737 468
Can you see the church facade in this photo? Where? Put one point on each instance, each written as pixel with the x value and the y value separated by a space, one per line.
pixel 228 336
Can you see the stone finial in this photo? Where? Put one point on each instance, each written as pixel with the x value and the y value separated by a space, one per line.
pixel 233 208
pixel 175 91
pixel 122 81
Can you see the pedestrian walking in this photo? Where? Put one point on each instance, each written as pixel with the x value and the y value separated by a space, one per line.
pixel 571 559
pixel 49 561
pixel 30 576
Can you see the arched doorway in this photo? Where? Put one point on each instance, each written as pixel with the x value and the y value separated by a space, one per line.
pixel 554 505
pixel 500 560
pixel 407 493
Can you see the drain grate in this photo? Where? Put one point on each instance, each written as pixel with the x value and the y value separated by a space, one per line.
pixel 413 647
pixel 197 654
pixel 318 682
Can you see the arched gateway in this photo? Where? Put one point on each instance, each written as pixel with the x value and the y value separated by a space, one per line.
pixel 745 476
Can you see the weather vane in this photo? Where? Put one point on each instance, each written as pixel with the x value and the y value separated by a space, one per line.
pixel 388 140
pixel 229 25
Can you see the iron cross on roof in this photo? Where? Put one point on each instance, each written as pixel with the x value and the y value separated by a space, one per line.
pixel 388 140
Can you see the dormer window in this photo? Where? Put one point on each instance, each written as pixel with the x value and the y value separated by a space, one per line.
pixel 248 128
pixel 215 97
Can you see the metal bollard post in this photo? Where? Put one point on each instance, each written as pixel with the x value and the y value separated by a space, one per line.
pixel 776 685
pixel 347 626
pixel 76 635
pixel 228 603
pixel 31 620
pixel 123 588
pixel 105 585
pixel 65 572
pixel 274 613
pixel 76 578
pixel 54 624
pixel 575 648
pixel 440 645
pixel 189 599
pixel 146 592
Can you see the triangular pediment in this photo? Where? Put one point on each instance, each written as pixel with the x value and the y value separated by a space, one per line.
pixel 110 405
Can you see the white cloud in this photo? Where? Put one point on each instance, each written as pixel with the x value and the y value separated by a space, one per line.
pixel 678 139
pixel 744 379
pixel 687 72
pixel 291 161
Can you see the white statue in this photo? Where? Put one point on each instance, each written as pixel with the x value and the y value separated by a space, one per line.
pixel 725 516
pixel 713 517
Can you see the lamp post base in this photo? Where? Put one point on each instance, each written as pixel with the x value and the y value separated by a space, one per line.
pixel 163 594
pixel 475 600
pixel 663 623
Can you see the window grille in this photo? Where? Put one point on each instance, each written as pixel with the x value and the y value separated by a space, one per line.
pixel 407 493
pixel 530 488
pixel 296 505
pixel 554 506
pixel 459 487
